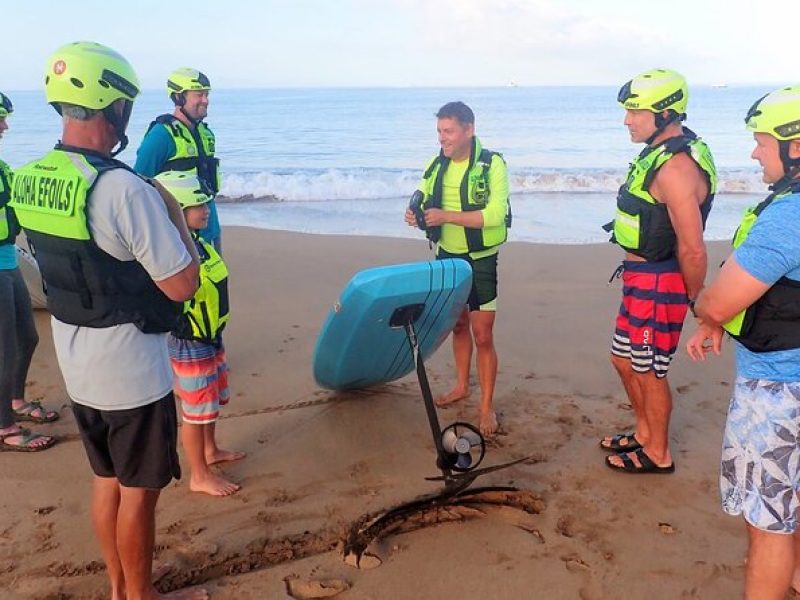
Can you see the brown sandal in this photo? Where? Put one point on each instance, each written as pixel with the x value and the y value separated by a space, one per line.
pixel 27 413
pixel 25 446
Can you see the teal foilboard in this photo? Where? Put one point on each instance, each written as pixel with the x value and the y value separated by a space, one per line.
pixel 357 347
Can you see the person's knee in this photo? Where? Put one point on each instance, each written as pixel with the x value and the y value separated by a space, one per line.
pixel 142 498
pixel 462 324
pixel 484 338
pixel 482 332
pixel 622 365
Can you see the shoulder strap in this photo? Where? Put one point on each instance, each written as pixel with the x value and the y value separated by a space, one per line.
pixel 673 146
pixel 431 167
pixel 165 119
pixel 485 159
pixel 101 163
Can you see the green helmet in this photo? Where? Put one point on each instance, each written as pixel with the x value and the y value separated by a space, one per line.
pixel 186 80
pixel 185 186
pixel 6 108
pixel 656 90
pixel 90 75
pixel 776 113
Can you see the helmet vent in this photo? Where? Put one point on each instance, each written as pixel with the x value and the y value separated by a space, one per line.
pixel 788 129
pixel 103 83
pixel 76 82
pixel 668 101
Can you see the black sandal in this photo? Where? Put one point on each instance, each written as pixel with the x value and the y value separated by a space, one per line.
pixel 646 465
pixel 615 445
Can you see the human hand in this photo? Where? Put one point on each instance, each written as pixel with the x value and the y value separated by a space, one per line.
pixel 435 217
pixel 697 346
pixel 410 219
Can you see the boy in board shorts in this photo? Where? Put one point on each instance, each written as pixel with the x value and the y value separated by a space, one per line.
pixel 195 346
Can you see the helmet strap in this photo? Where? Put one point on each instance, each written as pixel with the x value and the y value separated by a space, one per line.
pixel 178 98
pixel 119 124
pixel 662 123
pixel 791 166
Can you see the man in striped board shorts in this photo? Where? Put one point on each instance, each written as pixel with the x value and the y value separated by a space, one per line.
pixel 661 213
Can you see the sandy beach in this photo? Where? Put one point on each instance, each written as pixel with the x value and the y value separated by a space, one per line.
pixel 318 461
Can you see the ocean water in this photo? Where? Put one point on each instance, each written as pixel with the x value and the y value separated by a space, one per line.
pixel 345 161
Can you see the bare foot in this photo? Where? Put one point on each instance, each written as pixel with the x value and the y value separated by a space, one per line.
pixel 213 485
pixel 192 593
pixel 221 455
pixel 455 395
pixel 487 423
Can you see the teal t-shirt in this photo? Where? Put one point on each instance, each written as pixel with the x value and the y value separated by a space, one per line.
pixel 156 149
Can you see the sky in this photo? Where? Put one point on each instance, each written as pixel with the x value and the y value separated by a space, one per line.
pixel 363 43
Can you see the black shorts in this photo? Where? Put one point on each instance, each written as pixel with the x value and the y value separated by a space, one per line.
pixel 483 295
pixel 138 446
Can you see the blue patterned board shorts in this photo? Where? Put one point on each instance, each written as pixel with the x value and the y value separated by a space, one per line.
pixel 760 467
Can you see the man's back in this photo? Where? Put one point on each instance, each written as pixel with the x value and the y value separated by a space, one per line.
pixel 119 367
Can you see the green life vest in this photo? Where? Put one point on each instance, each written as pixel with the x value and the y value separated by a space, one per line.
pixel 85 285
pixel 773 321
pixel 642 225
pixel 206 314
pixel 9 228
pixel 194 150
pixel 474 193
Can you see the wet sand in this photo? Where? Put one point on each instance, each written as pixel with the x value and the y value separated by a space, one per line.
pixel 318 461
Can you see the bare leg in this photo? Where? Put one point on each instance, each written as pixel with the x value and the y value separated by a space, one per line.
pixel 462 352
pixel 482 329
pixel 105 508
pixel 658 410
pixel 656 399
pixel 770 565
pixel 796 576
pixel 202 479
pixel 635 396
pixel 136 530
pixel 213 453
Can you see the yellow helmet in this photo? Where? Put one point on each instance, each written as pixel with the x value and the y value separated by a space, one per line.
pixel 776 113
pixel 656 90
pixel 186 79
pixel 185 187
pixel 6 108
pixel 90 75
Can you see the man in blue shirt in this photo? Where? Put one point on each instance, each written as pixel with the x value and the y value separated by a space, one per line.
pixel 756 298
pixel 181 141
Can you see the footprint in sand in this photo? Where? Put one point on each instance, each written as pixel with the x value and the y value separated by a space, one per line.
pixel 322 588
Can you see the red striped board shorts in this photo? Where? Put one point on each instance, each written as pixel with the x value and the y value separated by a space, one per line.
pixel 651 315
pixel 200 379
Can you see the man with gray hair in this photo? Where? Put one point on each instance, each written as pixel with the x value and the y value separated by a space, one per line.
pixel 117 259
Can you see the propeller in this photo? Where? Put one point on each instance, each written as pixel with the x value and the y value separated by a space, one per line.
pixel 463 447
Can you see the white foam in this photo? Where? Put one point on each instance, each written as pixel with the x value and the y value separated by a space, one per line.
pixel 364 184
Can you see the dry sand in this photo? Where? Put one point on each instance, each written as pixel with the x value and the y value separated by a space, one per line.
pixel 318 461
